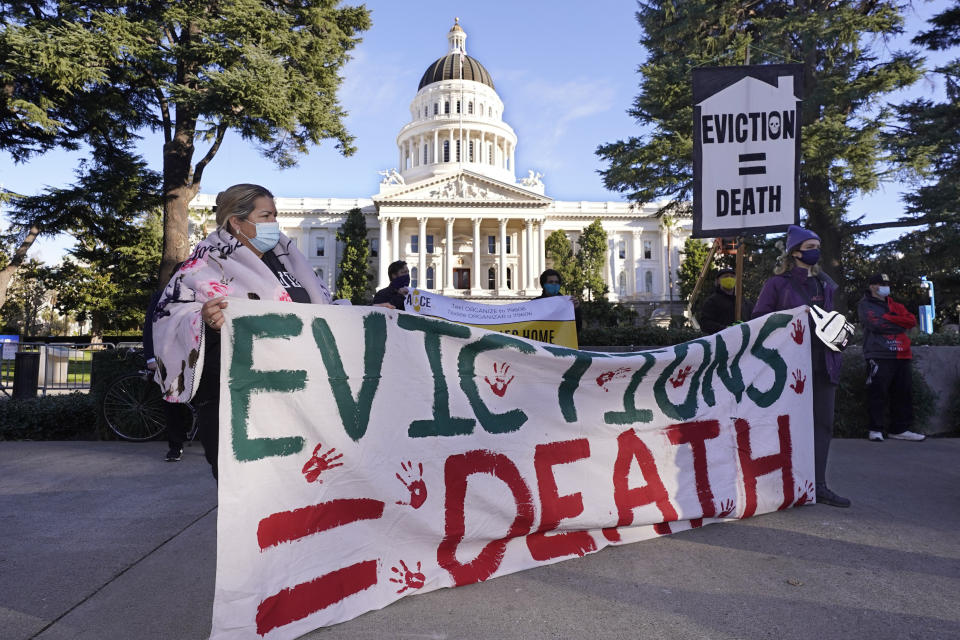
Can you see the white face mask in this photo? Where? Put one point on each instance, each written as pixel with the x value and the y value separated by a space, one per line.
pixel 883 291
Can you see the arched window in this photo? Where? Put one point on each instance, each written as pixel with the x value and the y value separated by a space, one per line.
pixel 622 284
pixel 426 154
pixel 425 112
pixel 509 278
pixel 436 108
pixel 489 112
pixel 458 106
pixel 446 107
pixel 490 156
pixel 458 151
pixel 446 151
pixel 470 108
pixel 429 277
pixel 470 151
pixel 414 280
pixel 622 249
pixel 648 281
pixel 491 278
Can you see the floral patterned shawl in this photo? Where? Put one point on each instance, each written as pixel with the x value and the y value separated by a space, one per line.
pixel 220 265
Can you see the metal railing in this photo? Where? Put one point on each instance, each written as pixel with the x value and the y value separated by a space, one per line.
pixel 63 366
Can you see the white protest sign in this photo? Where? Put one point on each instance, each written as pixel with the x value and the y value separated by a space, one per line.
pixel 551 319
pixel 369 454
pixel 746 149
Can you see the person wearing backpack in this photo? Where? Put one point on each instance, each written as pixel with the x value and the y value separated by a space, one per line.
pixel 797 281
pixel 886 348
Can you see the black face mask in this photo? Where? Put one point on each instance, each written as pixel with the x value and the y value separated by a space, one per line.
pixel 400 281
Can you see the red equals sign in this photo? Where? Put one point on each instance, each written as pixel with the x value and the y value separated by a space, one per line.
pixel 755 169
pixel 297 602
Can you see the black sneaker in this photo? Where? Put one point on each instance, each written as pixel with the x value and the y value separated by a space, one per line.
pixel 174 454
pixel 825 496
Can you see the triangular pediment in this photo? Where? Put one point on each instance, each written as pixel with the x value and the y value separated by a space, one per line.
pixel 464 188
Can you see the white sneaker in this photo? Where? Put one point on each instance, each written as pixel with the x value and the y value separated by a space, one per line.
pixel 908 435
pixel 875 436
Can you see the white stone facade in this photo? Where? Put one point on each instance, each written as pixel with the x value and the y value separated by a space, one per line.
pixel 458 216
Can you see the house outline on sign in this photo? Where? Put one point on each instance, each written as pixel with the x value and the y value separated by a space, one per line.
pixel 749 184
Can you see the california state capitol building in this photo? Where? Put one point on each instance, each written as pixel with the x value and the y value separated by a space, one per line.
pixel 454 209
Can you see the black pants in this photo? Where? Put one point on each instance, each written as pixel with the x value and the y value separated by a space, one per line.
pixel 208 430
pixel 178 418
pixel 824 398
pixel 889 379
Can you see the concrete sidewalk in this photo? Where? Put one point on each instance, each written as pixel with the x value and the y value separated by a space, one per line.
pixel 103 541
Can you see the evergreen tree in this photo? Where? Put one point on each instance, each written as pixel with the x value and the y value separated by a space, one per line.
pixel 355 279
pixel 108 278
pixel 839 44
pixel 192 70
pixel 21 312
pixel 592 248
pixel 559 251
pixel 695 254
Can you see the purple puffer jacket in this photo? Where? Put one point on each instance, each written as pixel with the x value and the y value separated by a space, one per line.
pixel 778 295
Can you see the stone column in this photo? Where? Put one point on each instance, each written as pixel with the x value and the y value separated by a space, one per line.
pixel 422 256
pixel 475 282
pixel 541 250
pixel 448 271
pixel 502 283
pixel 395 240
pixel 383 253
pixel 528 260
pixel 513 150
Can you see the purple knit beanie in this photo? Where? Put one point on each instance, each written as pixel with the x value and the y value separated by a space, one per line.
pixel 797 235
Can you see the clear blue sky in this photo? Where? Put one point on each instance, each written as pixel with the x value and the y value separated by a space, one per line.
pixel 565 71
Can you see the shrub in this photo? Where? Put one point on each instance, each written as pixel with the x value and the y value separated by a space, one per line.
pixel 850 415
pixel 647 336
pixel 61 417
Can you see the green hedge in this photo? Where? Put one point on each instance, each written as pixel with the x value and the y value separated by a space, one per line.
pixel 647 336
pixel 61 417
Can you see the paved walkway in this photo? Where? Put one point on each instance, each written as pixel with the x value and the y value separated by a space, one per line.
pixel 103 540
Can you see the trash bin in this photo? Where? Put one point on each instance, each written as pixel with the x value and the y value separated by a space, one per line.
pixel 26 374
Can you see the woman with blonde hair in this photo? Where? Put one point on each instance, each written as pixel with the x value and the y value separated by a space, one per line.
pixel 797 281
pixel 247 257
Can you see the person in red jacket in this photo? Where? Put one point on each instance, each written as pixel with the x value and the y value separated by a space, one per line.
pixel 886 347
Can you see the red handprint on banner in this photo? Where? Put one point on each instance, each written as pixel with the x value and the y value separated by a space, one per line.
pixel 318 463
pixel 412 580
pixel 805 495
pixel 681 377
pixel 607 376
pixel 798 381
pixel 416 486
pixel 725 508
pixel 500 384
pixel 798 331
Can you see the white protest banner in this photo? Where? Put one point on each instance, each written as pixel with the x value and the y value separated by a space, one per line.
pixel 746 149
pixel 369 454
pixel 550 319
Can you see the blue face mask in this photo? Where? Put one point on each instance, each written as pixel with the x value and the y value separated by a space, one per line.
pixel 268 235
pixel 551 288
pixel 810 256
pixel 400 281
pixel 883 292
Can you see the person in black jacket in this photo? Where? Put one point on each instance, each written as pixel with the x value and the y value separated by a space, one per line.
pixel 718 311
pixel 886 348
pixel 396 292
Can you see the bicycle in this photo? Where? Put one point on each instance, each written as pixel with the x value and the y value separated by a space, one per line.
pixel 133 406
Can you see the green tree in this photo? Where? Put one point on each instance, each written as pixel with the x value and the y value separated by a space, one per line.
pixel 695 254
pixel 354 281
pixel 192 70
pixel 114 188
pixel 560 252
pixel 109 277
pixel 591 257
pixel 28 295
pixel 846 70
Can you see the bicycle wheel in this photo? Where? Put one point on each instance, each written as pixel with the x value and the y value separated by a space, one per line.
pixel 133 408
